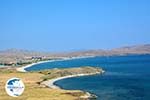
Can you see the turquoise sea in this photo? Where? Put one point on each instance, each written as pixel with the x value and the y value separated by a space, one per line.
pixel 126 77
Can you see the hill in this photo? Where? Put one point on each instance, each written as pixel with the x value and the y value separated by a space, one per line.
pixel 20 57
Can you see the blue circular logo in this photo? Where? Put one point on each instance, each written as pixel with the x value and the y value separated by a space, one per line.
pixel 14 87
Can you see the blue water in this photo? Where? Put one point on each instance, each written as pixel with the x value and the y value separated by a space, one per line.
pixel 126 77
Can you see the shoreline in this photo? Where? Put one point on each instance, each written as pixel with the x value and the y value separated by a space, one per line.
pixel 51 82
pixel 22 69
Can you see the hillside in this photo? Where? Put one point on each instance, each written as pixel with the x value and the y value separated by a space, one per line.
pixel 35 91
pixel 15 56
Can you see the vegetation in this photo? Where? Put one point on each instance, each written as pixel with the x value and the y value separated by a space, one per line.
pixel 55 73
pixel 35 91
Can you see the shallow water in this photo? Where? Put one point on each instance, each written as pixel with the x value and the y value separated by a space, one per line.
pixel 126 77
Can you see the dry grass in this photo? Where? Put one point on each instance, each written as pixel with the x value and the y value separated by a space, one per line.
pixel 60 72
pixel 33 91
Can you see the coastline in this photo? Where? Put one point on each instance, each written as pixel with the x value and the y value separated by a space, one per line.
pixel 51 82
pixel 22 69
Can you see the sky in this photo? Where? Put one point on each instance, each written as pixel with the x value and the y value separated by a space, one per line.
pixel 66 25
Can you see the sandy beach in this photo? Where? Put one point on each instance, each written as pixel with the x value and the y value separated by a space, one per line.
pixel 22 69
pixel 50 83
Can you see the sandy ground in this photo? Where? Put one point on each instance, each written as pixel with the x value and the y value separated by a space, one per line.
pixel 22 69
pixel 50 83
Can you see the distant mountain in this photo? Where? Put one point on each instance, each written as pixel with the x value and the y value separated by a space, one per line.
pixel 137 49
pixel 15 55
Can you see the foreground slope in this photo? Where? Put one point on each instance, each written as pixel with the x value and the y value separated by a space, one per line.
pixel 35 91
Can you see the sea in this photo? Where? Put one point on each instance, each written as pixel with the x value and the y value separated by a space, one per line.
pixel 126 77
